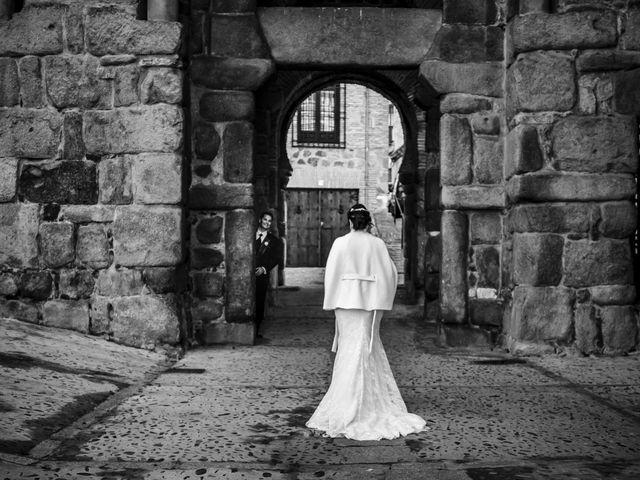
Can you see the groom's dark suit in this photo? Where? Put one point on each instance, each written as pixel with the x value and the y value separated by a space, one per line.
pixel 267 256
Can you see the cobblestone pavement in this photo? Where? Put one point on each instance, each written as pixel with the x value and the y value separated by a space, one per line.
pixel 238 412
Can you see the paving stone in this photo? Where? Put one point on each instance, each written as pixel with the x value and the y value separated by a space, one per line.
pixel 67 181
pixel 161 85
pixel 69 314
pixel 8 178
pixel 18 235
pixel 29 133
pixel 602 262
pixel 31 86
pixel 456 157
pixel 36 284
pixel 470 78
pixel 57 243
pixel 75 81
pixel 9 84
pixel 92 247
pixel 537 259
pixel 33 31
pixel 156 178
pixel 75 284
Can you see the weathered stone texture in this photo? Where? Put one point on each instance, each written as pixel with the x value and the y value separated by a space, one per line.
pixel 18 235
pixel 542 314
pixel 232 6
pixel 147 236
pixel 619 219
pixel 240 280
pixel 125 85
pixel 537 259
pixel 206 258
pixel 157 178
pixel 542 31
pixel 541 81
pixel 454 288
pixel 459 43
pixel 29 133
pixel 602 262
pixel 75 284
pixel 486 259
pixel 469 11
pixel 587 329
pixel 75 81
pixel 87 213
pixel 626 95
pixel 164 279
pixel 630 39
pixel 145 320
pixel 208 284
pixel 57 243
pixel 613 294
pixel 606 60
pixel 471 78
pixel 485 312
pixel 74 28
pixel 92 248
pixel 487 160
pixel 553 218
pixel 619 329
pixel 571 187
pixel 161 85
pixel 114 176
pixel 20 310
pixel 595 144
pixel 155 128
pixel 222 73
pixel 34 31
pixel 9 84
pixel 227 196
pixel 464 103
pixel 31 87
pixel 37 285
pixel 485 227
pixel 473 197
pixel 237 36
pixel 226 106
pixel 99 315
pixel 238 140
pixel 206 141
pixel 60 182
pixel 69 314
pixel 595 94
pixel 523 152
pixel 206 310
pixel 8 284
pixel 456 157
pixel 72 142
pixel 120 282
pixel 485 124
pixel 209 230
pixel 111 31
pixel 8 178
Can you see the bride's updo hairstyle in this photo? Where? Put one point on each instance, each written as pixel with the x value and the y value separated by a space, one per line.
pixel 359 216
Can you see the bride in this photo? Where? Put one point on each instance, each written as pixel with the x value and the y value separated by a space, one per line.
pixel 363 401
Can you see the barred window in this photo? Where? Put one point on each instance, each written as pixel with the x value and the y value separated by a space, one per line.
pixel 320 118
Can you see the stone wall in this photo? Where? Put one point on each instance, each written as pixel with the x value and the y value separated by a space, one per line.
pixel 91 170
pixel 572 154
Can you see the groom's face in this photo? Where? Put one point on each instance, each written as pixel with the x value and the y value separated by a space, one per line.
pixel 265 222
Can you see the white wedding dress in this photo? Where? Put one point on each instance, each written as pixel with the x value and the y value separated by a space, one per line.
pixel 363 401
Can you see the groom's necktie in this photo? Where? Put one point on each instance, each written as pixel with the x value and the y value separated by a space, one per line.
pixel 259 240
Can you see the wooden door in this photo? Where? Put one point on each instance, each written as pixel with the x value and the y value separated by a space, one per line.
pixel 315 217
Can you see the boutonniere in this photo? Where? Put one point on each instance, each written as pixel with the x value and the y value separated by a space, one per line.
pixel 266 242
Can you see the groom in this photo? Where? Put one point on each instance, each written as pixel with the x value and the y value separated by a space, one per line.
pixel 267 252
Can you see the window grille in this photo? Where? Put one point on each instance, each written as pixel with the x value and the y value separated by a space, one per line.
pixel 319 120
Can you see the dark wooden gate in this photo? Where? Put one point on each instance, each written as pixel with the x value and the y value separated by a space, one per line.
pixel 315 217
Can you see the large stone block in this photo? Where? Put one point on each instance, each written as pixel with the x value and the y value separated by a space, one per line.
pixel 74 28
pixel 552 218
pixel 75 284
pixel 465 43
pixel 155 128
pixel 487 160
pixel 237 36
pixel 8 284
pixel 595 94
pixel 602 262
pixel 454 290
pixel 607 60
pixel 31 86
pixel 485 312
pixel 485 227
pixel 206 258
pixel 619 329
pixel 165 279
pixel 472 78
pixel 626 97
pixel 87 213
pixel 119 282
pixel 233 6
pixel 18 235
pixel 209 229
pixel 481 12
pixel 213 197
pixel 36 284
pixel 537 259
pixel 359 36
pixel 613 294
pixel 456 157
pixel 222 73
pixel 541 314
pixel 433 253
pixel 29 133
pixel 161 85
pixel 541 81
pixel 225 333
pixel 92 247
pixel 69 314
pixel 99 315
pixel 485 124
pixel 630 38
pixel 473 197
pixel 543 31
pixel 72 141
pixel 125 84
pixel 36 30
pixel 226 106
pixel 587 327
pixel 523 152
pixel 157 178
pixel 72 181
pixel 20 310
pixel 595 144
pixel 206 310
pixel 240 279
pixel 619 219
pixel 464 103
pixel 550 187
pixel 109 30
pixel 114 178
pixel 206 141
pixel 208 284
pixel 147 235
pixel 57 243
pixel 487 262
pixel 145 320
pixel 8 178
pixel 9 84
pixel 237 143
pixel 75 81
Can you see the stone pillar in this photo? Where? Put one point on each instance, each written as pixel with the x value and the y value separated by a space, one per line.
pixel 572 155
pixel 162 10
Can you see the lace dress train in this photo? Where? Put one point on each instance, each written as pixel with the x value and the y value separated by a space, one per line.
pixel 363 401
